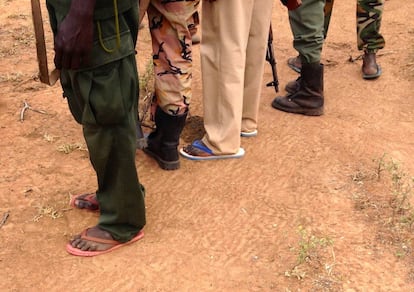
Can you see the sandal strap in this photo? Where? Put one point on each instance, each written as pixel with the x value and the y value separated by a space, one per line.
pixel 96 239
pixel 201 146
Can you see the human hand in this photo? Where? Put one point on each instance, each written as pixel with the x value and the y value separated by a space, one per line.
pixel 291 4
pixel 74 38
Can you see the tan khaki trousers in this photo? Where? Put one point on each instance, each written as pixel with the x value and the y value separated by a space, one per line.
pixel 233 50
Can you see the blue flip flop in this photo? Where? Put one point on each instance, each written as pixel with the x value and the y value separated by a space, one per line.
pixel 199 151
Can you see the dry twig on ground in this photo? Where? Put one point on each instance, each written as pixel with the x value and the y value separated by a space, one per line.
pixel 4 219
pixel 27 106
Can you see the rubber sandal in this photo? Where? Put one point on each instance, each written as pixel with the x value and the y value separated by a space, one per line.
pixel 88 253
pixel 89 199
pixel 373 76
pixel 199 151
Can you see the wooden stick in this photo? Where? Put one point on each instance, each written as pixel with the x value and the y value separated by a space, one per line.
pixel 5 216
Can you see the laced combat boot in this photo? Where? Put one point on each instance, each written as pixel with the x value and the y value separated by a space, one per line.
pixel 308 98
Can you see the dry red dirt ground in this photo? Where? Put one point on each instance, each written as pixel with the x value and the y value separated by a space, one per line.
pixel 317 203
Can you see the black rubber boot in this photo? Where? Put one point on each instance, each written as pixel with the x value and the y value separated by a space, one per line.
pixel 308 99
pixel 162 143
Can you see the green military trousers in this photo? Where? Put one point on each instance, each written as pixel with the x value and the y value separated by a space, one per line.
pixel 103 98
pixel 306 23
pixel 368 23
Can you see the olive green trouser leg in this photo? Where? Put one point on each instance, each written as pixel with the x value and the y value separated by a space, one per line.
pixel 103 100
pixel 307 23
pixel 120 195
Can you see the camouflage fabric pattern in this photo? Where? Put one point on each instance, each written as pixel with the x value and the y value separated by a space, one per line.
pixel 369 16
pixel 172 53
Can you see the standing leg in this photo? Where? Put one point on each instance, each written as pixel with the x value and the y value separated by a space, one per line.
pixel 307 26
pixel 172 56
pixel 295 63
pixel 225 34
pixel 369 39
pixel 255 61
pixel 104 100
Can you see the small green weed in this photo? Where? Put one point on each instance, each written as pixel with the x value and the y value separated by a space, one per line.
pixel 309 244
pixel 385 197
pixel 312 256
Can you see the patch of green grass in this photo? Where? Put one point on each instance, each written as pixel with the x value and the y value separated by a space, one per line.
pixel 385 197
pixel 402 192
pixel 309 244
pixel 313 254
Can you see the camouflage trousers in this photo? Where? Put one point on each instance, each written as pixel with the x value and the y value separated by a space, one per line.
pixel 172 53
pixel 368 16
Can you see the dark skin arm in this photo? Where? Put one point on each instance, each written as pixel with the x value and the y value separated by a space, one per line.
pixel 292 4
pixel 74 38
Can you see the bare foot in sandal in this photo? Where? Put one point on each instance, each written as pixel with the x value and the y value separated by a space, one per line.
pixel 95 241
pixel 88 240
pixel 85 201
